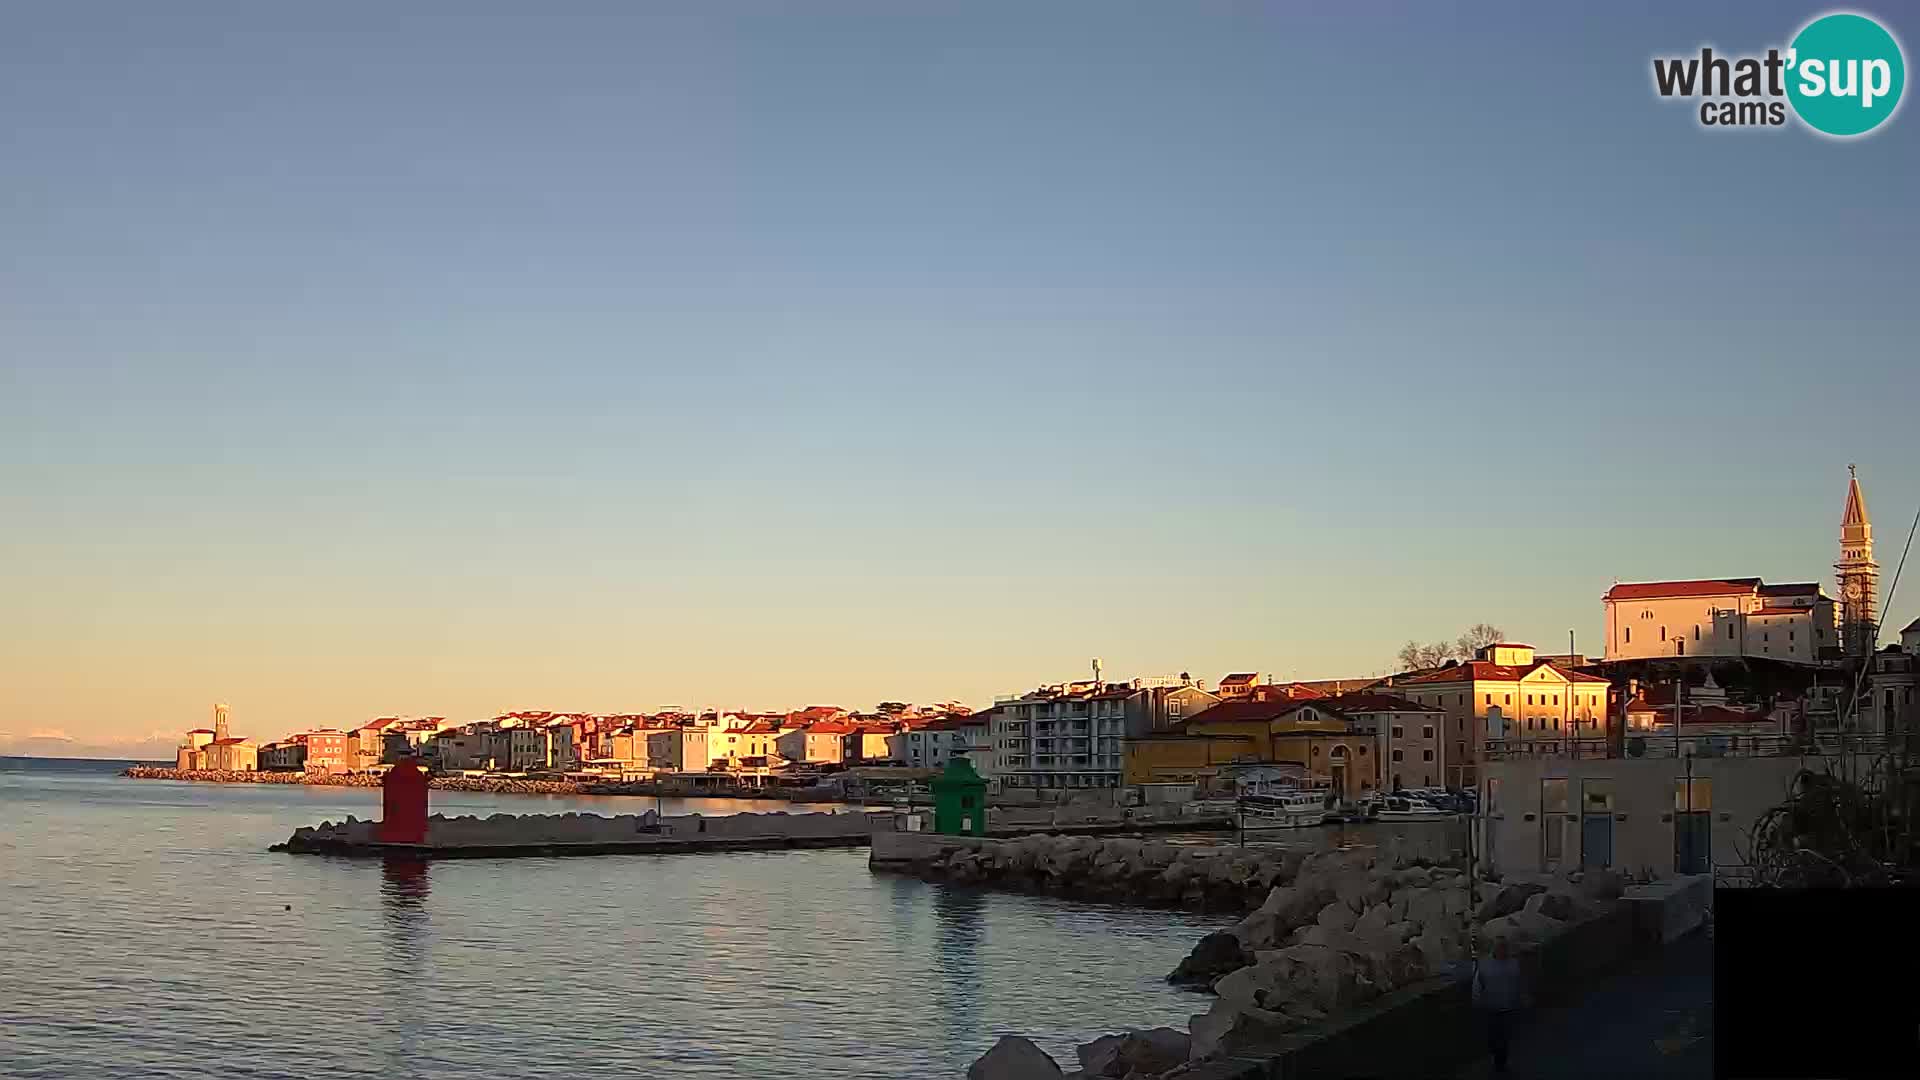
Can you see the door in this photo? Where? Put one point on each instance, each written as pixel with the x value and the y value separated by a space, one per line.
pixel 1693 825
pixel 1553 823
pixel 1596 824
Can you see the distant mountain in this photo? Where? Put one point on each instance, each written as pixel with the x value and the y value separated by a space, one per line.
pixel 59 744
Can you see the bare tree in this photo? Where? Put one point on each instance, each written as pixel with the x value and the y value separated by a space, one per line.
pixel 1414 655
pixel 1477 637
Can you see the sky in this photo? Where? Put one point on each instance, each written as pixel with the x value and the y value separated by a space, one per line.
pixel 453 358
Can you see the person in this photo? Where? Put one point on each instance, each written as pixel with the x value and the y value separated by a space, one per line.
pixel 1499 990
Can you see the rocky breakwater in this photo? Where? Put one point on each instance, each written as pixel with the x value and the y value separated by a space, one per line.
pixel 492 785
pixel 551 833
pixel 1334 932
pixel 1116 869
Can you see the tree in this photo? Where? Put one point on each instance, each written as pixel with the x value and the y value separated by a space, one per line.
pixel 1414 655
pixel 1477 637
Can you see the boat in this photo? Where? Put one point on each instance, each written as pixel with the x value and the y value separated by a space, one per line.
pixel 1407 808
pixel 1280 809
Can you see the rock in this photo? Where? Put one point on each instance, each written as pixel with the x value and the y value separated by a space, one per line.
pixel 1257 931
pixel 1216 954
pixel 1602 885
pixel 1338 915
pixel 1224 1026
pixel 1553 905
pixel 1013 1058
pixel 1135 1053
pixel 1374 921
pixel 1503 899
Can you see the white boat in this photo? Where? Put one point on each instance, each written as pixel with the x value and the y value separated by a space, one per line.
pixel 1282 809
pixel 1406 808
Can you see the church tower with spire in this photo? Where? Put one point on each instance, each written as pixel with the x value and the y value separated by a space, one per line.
pixel 1857 574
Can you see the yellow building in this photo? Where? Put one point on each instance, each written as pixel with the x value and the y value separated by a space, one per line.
pixel 1506 696
pixel 1238 734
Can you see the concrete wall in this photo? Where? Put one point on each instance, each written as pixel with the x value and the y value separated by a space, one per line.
pixel 1516 823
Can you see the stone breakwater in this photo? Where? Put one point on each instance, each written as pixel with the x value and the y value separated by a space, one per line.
pixel 541 834
pixel 484 784
pixel 1324 933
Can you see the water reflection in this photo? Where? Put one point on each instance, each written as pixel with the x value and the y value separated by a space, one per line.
pixel 405 884
pixel 959 925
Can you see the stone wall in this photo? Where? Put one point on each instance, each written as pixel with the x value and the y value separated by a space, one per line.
pixel 521 829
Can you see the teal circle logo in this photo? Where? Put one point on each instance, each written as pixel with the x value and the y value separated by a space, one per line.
pixel 1845 74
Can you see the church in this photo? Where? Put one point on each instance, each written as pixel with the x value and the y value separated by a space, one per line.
pixel 1745 617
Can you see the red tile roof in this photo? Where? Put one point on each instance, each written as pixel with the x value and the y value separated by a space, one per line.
pixel 1650 590
pixel 200 731
pixel 1239 678
pixel 830 727
pixel 955 723
pixel 1370 702
pixel 1243 711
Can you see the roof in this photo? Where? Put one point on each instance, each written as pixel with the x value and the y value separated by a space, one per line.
pixel 831 727
pixel 1855 513
pixel 1912 627
pixel 1508 645
pixel 209 731
pixel 1239 678
pixel 1650 590
pixel 1797 588
pixel 1254 711
pixel 955 723
pixel 226 742
pixel 1486 671
pixel 1367 702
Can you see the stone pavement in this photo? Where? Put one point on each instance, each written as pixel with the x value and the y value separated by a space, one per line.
pixel 1652 1020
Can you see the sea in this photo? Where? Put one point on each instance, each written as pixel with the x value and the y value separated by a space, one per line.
pixel 146 931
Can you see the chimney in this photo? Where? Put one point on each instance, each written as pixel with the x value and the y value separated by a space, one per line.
pixel 1096 671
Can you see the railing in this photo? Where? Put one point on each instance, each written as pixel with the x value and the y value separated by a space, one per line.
pixel 1655 744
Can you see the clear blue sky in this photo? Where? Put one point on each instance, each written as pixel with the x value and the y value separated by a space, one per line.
pixel 475 356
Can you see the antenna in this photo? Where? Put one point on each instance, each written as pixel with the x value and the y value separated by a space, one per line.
pixel 1096 671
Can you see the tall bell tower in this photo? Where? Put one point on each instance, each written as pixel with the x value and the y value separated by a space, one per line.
pixel 1857 574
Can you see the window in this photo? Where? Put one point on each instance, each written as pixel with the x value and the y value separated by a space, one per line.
pixel 1556 699
pixel 1729 631
pixel 1663 633
pixel 1426 755
pixel 1701 798
pixel 1789 635
pixel 1396 731
pixel 1507 700
pixel 1696 631
pixel 1489 700
pixel 1763 637
pixel 1529 699
pixel 1427 732
pixel 1396 755
pixel 1629 635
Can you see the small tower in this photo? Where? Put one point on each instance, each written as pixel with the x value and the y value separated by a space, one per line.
pixel 1857 574
pixel 220 723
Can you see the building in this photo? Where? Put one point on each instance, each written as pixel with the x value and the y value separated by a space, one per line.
pixel 516 748
pixel 231 755
pixel 1857 576
pixel 369 742
pixel 1506 695
pixel 1658 816
pixel 287 755
pixel 867 742
pixel 1406 734
pixel 329 751
pixel 748 738
pixel 933 744
pixel 1239 684
pixel 1235 737
pixel 1721 618
pixel 821 742
pixel 191 754
pixel 680 749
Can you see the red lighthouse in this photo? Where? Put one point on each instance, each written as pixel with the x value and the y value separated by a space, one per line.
pixel 403 804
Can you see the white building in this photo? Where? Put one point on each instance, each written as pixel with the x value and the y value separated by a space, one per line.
pixel 933 744
pixel 1061 737
pixel 1720 617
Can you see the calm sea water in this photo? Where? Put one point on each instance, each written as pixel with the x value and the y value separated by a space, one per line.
pixel 146 931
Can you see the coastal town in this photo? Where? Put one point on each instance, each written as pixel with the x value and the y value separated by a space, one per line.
pixel 1719 681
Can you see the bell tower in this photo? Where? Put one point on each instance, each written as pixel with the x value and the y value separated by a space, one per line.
pixel 1857 575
